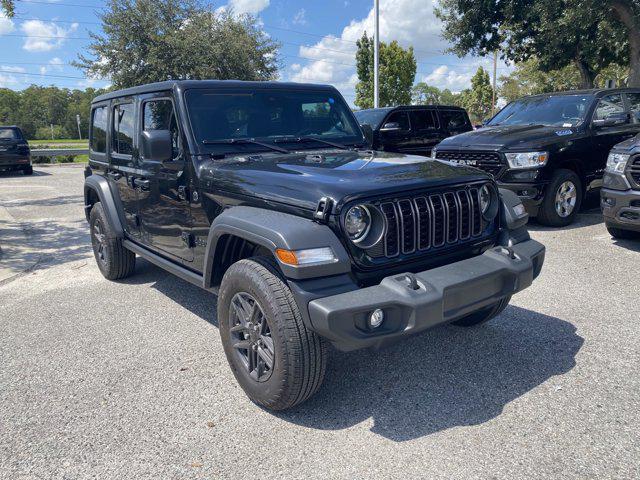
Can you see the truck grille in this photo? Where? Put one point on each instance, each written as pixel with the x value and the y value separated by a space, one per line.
pixel 431 221
pixel 488 161
pixel 634 171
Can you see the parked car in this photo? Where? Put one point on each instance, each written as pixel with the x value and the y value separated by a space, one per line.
pixel 621 191
pixel 14 151
pixel 413 129
pixel 264 194
pixel 551 150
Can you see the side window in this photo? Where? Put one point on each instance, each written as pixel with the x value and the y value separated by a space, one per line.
pixel 399 117
pixel 122 131
pixel 160 115
pixel 453 119
pixel 609 105
pixel 634 102
pixel 99 130
pixel 422 120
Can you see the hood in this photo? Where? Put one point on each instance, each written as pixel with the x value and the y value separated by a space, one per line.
pixel 628 145
pixel 516 137
pixel 303 178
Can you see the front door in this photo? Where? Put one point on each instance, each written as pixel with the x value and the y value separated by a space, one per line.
pixel 604 138
pixel 162 187
pixel 425 131
pixel 397 140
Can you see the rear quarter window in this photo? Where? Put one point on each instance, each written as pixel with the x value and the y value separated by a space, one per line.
pixel 454 119
pixel 98 142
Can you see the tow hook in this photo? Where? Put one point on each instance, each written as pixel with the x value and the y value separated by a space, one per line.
pixel 413 282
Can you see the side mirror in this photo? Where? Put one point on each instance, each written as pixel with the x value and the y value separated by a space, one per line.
pixel 391 127
pixel 157 145
pixel 368 134
pixel 612 120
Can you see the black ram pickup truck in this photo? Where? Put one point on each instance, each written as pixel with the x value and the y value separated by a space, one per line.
pixel 15 154
pixel 620 196
pixel 265 194
pixel 551 150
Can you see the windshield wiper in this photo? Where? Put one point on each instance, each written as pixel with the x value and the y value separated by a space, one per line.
pixel 310 139
pixel 245 141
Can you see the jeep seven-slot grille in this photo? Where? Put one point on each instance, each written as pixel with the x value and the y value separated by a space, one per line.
pixel 634 171
pixel 431 221
pixel 488 161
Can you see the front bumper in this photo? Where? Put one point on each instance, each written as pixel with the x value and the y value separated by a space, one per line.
pixel 621 209
pixel 445 294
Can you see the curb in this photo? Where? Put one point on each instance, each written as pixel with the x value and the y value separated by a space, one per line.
pixel 25 261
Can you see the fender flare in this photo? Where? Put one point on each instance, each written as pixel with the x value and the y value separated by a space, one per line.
pixel 273 230
pixel 510 218
pixel 100 186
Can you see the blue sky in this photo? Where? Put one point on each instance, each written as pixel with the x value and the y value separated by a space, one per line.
pixel 317 37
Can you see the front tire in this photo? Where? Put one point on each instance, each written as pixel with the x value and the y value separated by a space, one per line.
pixel 562 199
pixel 277 361
pixel 484 315
pixel 114 261
pixel 622 234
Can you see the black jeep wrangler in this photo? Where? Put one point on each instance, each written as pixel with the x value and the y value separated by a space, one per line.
pixel 620 196
pixel 265 194
pixel 551 150
pixel 15 154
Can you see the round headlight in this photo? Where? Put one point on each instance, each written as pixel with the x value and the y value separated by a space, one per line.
pixel 357 222
pixel 485 199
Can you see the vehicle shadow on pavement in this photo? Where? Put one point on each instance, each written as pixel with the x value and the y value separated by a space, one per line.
pixel 633 245
pixel 444 378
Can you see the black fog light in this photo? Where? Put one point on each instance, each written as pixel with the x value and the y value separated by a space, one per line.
pixel 609 202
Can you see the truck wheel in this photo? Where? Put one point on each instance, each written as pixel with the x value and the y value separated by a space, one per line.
pixel 562 199
pixel 114 261
pixel 277 361
pixel 484 315
pixel 28 170
pixel 622 234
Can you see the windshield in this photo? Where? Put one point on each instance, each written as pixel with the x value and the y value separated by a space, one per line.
pixel 222 119
pixel 552 110
pixel 9 134
pixel 371 117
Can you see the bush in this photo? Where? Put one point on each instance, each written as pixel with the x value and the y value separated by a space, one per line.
pixel 45 132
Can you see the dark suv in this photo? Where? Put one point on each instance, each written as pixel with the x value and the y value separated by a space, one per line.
pixel 551 149
pixel 14 151
pixel 621 190
pixel 413 129
pixel 264 194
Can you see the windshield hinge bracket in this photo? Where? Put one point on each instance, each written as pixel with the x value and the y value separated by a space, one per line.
pixel 323 210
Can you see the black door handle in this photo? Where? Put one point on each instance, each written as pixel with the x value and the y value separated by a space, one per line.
pixel 140 183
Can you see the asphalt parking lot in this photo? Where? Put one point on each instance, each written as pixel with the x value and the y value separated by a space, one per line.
pixel 129 379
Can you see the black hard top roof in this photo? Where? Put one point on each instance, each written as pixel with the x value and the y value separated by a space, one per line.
pixel 186 84
pixel 411 107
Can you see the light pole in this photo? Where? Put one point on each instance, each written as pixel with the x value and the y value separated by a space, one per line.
pixel 376 54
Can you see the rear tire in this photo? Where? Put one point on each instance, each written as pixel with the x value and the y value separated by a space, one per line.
pixel 562 199
pixel 28 170
pixel 484 315
pixel 623 234
pixel 114 261
pixel 277 361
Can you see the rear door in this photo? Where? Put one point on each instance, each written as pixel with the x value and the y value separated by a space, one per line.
pixel 162 187
pixel 425 131
pixel 606 137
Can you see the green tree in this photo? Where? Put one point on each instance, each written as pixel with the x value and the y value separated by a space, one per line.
pixel 153 40
pixel 397 73
pixel 7 6
pixel 478 100
pixel 423 94
pixel 556 32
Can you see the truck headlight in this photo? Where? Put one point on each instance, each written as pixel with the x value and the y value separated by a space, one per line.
pixel 357 223
pixel 527 159
pixel 617 162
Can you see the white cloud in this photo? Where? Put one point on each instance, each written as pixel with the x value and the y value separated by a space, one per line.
pixel 6 79
pixel 54 65
pixel 300 18
pixel 45 36
pixel 410 23
pixel 6 24
pixel 12 69
pixel 241 7
pixel 444 77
